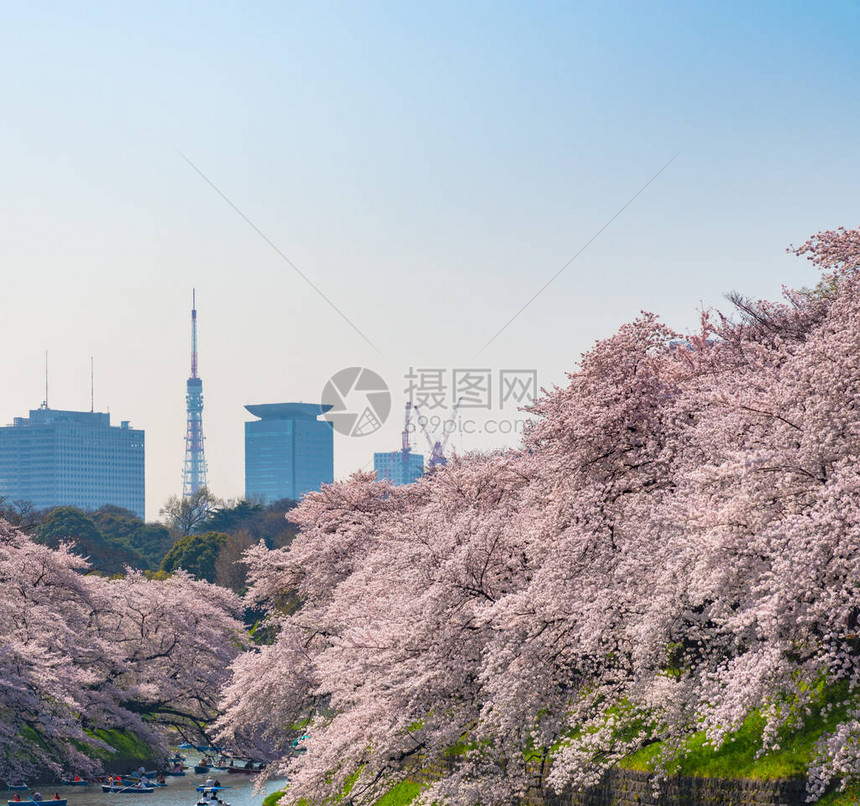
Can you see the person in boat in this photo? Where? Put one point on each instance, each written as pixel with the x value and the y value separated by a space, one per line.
pixel 17 796
pixel 37 796
pixel 216 783
pixel 249 765
pixel 56 795
pixel 209 781
pixel 159 779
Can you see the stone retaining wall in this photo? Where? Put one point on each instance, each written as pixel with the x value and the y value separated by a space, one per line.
pixel 628 788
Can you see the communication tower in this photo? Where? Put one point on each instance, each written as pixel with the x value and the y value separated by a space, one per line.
pixel 194 472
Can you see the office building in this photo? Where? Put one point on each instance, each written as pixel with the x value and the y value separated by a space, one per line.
pixel 399 467
pixel 72 458
pixel 288 450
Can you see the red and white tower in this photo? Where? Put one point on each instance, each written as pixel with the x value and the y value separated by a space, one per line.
pixel 194 473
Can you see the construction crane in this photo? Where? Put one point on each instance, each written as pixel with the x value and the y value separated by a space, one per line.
pixel 403 466
pixel 405 447
pixel 437 447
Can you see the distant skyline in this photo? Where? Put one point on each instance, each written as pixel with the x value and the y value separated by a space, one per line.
pixel 428 167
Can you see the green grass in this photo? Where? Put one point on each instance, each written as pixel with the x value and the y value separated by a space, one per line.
pixel 458 749
pixel 126 747
pixel 400 794
pixel 736 758
pixel 850 797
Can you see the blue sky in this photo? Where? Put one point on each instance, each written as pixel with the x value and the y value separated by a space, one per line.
pixel 428 166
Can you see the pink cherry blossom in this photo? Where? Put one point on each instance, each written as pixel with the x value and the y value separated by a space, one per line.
pixel 81 653
pixel 675 547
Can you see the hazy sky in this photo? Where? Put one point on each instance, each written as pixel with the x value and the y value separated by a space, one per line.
pixel 428 166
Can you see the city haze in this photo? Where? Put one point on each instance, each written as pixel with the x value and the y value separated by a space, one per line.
pixel 428 167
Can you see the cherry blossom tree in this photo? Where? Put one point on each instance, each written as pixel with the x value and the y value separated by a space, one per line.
pixel 81 653
pixel 674 549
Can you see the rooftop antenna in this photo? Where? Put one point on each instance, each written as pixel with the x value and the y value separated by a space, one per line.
pixel 193 332
pixel 46 379
pixel 92 388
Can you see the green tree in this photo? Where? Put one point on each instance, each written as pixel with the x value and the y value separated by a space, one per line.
pixel 116 522
pixel 232 518
pixel 151 540
pixel 69 524
pixel 196 554
pixel 252 518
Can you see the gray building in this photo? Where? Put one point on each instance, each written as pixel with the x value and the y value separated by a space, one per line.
pixel 288 450
pixel 399 467
pixel 72 458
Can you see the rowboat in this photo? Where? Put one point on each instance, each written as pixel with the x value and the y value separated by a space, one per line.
pixel 243 770
pixel 204 788
pixel 131 789
pixel 52 801
pixel 131 780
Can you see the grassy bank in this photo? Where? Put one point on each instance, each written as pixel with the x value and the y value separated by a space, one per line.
pixel 850 797
pixel 738 756
pixel 399 795
pixel 127 749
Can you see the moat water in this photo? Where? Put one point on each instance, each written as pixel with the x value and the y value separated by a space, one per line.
pixel 178 792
